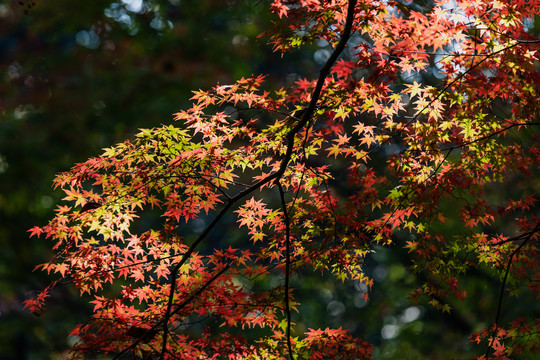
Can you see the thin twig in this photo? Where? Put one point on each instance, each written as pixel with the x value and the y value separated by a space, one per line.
pixel 287 267
pixel 503 286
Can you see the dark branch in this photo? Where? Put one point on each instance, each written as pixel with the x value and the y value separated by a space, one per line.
pixel 503 286
pixel 325 71
pixel 287 267
pixel 176 311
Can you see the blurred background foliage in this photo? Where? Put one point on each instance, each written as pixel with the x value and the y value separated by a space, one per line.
pixel 78 76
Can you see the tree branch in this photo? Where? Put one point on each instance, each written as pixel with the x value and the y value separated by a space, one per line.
pixel 176 311
pixel 324 72
pixel 503 286
pixel 287 267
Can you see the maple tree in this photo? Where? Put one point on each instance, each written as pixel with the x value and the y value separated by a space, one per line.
pixel 317 174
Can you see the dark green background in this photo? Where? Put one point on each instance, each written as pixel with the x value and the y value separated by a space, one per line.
pixel 78 76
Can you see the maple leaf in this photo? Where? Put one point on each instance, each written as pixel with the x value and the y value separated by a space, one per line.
pixel 35 231
pixel 334 150
pixel 62 268
pixel 414 89
pixel 368 140
pixel 342 139
pixel 343 69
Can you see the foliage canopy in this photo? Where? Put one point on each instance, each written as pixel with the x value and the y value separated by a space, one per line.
pixel 419 133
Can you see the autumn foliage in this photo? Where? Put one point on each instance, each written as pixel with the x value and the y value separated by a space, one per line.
pixel 420 114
